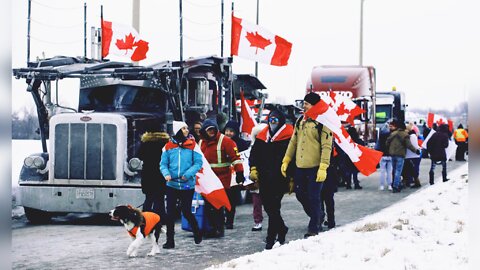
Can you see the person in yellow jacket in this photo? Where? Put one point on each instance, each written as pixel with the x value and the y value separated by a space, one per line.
pixel 461 139
pixel 310 148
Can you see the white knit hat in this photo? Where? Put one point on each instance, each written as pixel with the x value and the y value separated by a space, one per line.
pixel 177 125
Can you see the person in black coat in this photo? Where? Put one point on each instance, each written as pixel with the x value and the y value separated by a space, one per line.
pixel 265 162
pixel 153 182
pixel 436 146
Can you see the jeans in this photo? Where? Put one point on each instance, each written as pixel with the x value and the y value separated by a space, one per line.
pixel 386 170
pixel 397 166
pixel 308 193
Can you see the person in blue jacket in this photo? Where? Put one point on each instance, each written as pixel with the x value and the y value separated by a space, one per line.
pixel 179 165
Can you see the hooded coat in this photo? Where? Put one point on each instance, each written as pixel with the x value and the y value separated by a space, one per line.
pixel 242 144
pixel 437 144
pixel 150 153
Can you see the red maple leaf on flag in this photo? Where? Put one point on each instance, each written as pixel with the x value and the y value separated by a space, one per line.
pixel 126 44
pixel 341 109
pixel 141 50
pixel 257 41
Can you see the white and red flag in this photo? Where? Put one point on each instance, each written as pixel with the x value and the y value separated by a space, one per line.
pixel 439 120
pixel 247 118
pixel 209 185
pixel 122 40
pixel 346 109
pixel 253 42
pixel 365 159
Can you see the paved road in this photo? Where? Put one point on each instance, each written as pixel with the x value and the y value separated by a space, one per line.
pixel 86 242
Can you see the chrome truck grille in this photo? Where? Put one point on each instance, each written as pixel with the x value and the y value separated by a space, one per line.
pixel 85 151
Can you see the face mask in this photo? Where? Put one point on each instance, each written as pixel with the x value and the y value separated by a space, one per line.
pixel 273 127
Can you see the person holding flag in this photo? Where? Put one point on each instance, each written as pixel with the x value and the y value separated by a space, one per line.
pixel 221 153
pixel 179 165
pixel 310 148
pixel 265 162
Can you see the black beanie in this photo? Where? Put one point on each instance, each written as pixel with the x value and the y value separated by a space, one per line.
pixel 312 98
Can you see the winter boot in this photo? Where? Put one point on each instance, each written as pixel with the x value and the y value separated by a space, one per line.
pixel 197 234
pixel 444 176
pixel 431 177
pixel 416 183
pixel 170 237
pixel 281 235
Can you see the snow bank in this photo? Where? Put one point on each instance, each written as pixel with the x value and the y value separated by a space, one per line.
pixel 426 230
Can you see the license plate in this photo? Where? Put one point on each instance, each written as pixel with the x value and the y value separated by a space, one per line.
pixel 85 193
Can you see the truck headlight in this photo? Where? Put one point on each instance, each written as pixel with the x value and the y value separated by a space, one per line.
pixel 34 162
pixel 135 164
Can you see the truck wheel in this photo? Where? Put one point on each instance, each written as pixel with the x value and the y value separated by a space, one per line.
pixel 36 216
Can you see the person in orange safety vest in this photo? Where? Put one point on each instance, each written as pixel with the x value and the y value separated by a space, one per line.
pixel 222 154
pixel 461 139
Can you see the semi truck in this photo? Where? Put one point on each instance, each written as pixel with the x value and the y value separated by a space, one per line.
pixel 88 162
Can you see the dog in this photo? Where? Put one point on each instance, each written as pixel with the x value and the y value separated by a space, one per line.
pixel 140 225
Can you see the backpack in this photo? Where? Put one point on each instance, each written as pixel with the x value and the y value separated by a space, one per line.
pixel 318 126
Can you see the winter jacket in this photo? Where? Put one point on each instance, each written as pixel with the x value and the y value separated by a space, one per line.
pixel 414 142
pixel 266 155
pixel 181 160
pixel 382 141
pixel 437 144
pixel 460 135
pixel 150 152
pixel 398 142
pixel 306 146
pixel 242 144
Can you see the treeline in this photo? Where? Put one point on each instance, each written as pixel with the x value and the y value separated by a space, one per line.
pixel 460 109
pixel 25 125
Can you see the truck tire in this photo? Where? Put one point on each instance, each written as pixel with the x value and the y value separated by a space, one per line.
pixel 36 216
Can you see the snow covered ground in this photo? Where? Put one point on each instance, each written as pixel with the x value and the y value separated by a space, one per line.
pixel 427 230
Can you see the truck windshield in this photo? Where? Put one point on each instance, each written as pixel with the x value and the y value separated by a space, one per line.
pixel 383 113
pixel 122 98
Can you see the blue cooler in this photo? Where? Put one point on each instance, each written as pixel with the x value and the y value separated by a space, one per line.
pixel 198 210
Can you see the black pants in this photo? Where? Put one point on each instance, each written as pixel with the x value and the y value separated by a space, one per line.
pixel 185 197
pixel 461 149
pixel 233 194
pixel 272 202
pixel 155 203
pixel 328 206
pixel 216 219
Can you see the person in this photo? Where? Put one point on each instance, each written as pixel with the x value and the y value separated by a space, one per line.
pixel 461 139
pixel 348 168
pixel 265 168
pixel 328 190
pixel 179 165
pixel 254 191
pixel 436 146
pixel 196 130
pixel 232 130
pixel 153 182
pixel 222 154
pixel 386 160
pixel 397 144
pixel 309 148
pixel 412 160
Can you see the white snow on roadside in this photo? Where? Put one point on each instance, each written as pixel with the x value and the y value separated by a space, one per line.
pixel 426 230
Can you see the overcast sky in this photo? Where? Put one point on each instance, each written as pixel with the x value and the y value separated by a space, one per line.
pixel 426 48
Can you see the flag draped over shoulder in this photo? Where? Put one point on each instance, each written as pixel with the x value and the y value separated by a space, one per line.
pixel 209 185
pixel 253 42
pixel 122 40
pixel 345 108
pixel 247 118
pixel 365 159
pixel 438 119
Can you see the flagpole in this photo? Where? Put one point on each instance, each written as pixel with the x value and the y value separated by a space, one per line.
pixel 101 32
pixel 221 31
pixel 136 19
pixel 85 30
pixel 256 63
pixel 181 31
pixel 28 30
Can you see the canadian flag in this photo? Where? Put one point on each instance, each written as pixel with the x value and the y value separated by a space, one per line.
pixel 365 159
pixel 253 42
pixel 209 186
pixel 247 118
pixel 122 40
pixel 346 109
pixel 438 119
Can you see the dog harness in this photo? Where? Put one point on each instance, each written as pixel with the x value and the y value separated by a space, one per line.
pixel 151 219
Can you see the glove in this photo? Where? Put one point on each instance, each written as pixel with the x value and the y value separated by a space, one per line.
pixel 291 186
pixel 254 174
pixel 322 172
pixel 240 178
pixel 286 160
